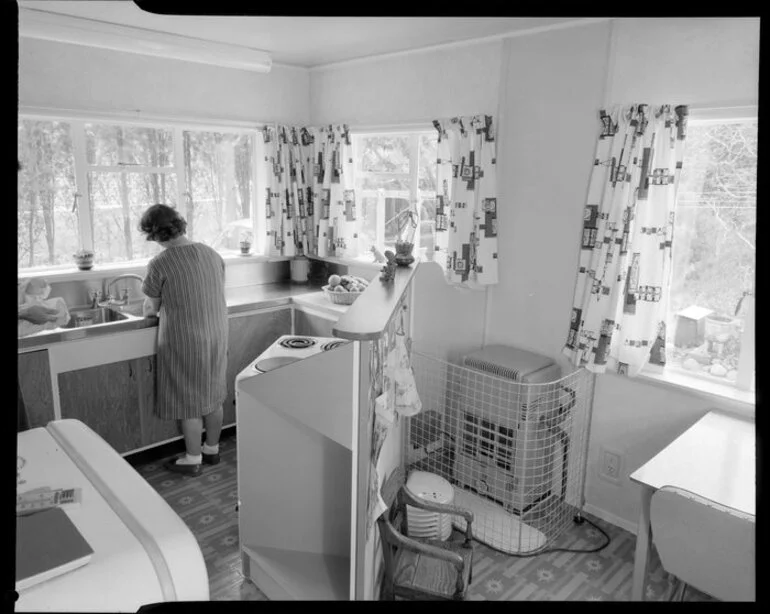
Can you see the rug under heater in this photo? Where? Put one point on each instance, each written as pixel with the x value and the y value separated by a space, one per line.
pixel 495 527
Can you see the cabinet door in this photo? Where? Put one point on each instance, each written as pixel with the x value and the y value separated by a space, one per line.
pixel 249 336
pixel 154 430
pixel 312 325
pixel 36 389
pixel 106 398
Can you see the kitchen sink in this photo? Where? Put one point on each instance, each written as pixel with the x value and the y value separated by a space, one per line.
pixel 80 318
pixel 133 308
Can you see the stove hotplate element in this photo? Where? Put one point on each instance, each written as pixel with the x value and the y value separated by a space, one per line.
pixel 297 343
pixel 330 345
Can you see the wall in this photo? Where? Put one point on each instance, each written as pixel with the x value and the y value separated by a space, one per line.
pixel 689 60
pixel 417 87
pixel 85 78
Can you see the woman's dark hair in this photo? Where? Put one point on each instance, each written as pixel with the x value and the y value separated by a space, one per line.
pixel 162 223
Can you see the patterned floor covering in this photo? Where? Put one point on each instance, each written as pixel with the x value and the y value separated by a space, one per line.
pixel 207 504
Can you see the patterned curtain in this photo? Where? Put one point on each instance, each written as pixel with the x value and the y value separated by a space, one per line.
pixel 466 208
pixel 289 204
pixel 310 205
pixel 335 187
pixel 622 290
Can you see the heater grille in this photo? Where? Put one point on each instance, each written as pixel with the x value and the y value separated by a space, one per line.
pixel 506 431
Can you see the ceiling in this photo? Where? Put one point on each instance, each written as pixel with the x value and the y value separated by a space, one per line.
pixel 303 41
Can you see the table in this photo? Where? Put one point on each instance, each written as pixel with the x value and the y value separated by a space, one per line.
pixel 715 458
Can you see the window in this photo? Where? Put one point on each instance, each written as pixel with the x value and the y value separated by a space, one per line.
pixel 711 310
pixel 124 168
pixel 219 171
pixel 48 232
pixel 128 169
pixel 393 170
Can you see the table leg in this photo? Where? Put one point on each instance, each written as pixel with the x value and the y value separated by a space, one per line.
pixel 643 540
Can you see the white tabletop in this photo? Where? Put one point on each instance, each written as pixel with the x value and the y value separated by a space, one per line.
pixel 121 575
pixel 715 458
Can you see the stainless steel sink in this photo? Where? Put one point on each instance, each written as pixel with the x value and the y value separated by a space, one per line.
pixel 80 318
pixel 133 308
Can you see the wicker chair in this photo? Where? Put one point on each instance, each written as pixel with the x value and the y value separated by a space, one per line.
pixel 422 569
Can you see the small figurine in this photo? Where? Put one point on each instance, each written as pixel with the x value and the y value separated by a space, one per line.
pixel 388 272
pixel 378 257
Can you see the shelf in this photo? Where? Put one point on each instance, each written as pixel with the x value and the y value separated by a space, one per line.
pixel 286 574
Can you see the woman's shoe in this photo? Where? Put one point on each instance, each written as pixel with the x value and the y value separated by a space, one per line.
pixel 211 459
pixel 172 465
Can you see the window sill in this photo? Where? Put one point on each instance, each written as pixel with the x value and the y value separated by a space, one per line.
pixel 742 402
pixel 137 266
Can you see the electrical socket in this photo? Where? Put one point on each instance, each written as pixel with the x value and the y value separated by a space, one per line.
pixel 609 464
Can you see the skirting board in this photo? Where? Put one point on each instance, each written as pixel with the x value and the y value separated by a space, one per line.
pixel 611 518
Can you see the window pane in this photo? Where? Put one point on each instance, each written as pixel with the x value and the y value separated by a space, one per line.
pixel 47 226
pixel 428 154
pixel 384 181
pixel 129 145
pixel 219 169
pixel 384 154
pixel 393 206
pixel 367 231
pixel 714 248
pixel 118 201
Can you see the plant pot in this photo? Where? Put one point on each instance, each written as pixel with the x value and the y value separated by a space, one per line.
pixel 245 248
pixel 404 255
pixel 84 264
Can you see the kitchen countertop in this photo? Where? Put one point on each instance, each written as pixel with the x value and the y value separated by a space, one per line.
pixel 239 300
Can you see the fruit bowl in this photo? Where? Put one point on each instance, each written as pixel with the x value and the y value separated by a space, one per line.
pixel 340 298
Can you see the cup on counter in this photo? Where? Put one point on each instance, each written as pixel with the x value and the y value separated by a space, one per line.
pixel 300 270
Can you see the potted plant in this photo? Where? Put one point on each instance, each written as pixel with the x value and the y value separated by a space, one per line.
pixel 245 243
pixel 84 258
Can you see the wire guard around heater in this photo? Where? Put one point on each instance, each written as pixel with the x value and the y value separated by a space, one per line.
pixel 514 452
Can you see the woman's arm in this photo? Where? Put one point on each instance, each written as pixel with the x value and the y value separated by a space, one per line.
pixel 151 307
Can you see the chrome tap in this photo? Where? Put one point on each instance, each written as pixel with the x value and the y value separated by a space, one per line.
pixel 95 297
pixel 124 295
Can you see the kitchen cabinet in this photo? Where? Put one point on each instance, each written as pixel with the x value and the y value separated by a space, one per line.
pixel 36 388
pixel 153 429
pixel 312 325
pixel 106 398
pixel 248 337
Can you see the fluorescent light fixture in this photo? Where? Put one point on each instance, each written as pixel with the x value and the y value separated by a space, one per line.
pixel 77 31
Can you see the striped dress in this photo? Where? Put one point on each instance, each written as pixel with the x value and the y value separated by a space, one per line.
pixel 192 335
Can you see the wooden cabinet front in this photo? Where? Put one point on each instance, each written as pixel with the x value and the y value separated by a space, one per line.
pixel 249 336
pixel 36 388
pixel 153 429
pixel 106 398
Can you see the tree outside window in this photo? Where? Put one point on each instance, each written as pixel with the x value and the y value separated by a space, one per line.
pixel 122 169
pixel 714 258
pixel 393 172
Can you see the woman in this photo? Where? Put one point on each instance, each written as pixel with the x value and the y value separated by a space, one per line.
pixel 185 288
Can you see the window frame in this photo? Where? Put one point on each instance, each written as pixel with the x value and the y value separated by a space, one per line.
pixel 77 121
pixel 743 390
pixel 413 132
